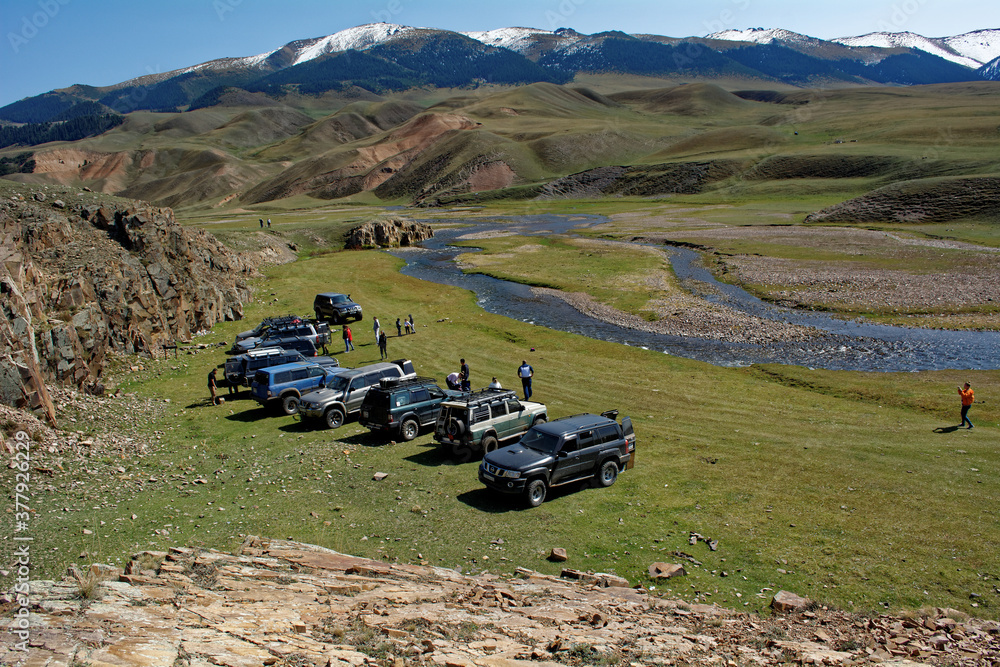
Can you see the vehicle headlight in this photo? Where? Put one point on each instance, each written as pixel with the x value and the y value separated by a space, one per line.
pixel 513 474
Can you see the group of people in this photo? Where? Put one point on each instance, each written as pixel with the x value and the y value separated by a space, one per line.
pixel 268 223
pixel 380 336
pixel 460 379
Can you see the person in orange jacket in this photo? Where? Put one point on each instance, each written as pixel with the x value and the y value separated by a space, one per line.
pixel 968 398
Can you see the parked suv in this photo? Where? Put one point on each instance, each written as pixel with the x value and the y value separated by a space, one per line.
pixel 283 385
pixel 338 308
pixel 402 407
pixel 317 333
pixel 241 369
pixel 560 452
pixel 482 420
pixel 342 394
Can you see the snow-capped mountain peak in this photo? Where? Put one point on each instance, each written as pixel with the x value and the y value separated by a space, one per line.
pixel 760 35
pixel 358 38
pixel 980 45
pixel 908 40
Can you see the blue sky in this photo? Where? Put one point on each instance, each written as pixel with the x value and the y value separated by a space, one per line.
pixel 49 44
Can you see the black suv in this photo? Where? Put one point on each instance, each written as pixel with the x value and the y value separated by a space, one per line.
pixel 403 406
pixel 338 308
pixel 560 452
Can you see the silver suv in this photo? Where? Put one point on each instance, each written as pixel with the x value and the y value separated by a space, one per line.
pixel 345 390
pixel 483 420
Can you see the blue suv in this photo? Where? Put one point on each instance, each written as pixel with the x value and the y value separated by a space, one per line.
pixel 283 385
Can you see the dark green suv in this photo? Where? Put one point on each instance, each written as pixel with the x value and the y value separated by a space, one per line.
pixel 401 407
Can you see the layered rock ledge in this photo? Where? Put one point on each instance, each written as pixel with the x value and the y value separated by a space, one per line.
pixel 287 603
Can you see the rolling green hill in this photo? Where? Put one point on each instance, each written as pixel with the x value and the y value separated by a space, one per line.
pixel 540 139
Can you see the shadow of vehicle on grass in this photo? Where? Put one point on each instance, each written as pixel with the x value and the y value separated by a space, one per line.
pixel 437 455
pixel 494 502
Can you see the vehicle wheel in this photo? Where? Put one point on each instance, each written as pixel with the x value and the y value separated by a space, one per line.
pixel 408 430
pixel 608 473
pixel 540 419
pixel 535 492
pixel 334 418
pixel 290 405
pixel 455 428
pixel 319 316
pixel 489 444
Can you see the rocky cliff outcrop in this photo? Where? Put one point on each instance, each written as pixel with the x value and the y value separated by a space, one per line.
pixel 79 282
pixel 388 233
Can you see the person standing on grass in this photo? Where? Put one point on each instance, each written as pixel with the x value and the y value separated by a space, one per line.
pixel 525 372
pixel 212 385
pixel 383 341
pixel 376 328
pixel 968 398
pixel 463 374
pixel 348 339
pixel 399 327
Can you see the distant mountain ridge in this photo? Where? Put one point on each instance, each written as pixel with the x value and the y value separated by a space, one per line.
pixel 381 57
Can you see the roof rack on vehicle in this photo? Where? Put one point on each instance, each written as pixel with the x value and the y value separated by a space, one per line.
pixel 392 383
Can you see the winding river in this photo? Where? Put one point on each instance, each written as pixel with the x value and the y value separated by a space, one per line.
pixel 843 345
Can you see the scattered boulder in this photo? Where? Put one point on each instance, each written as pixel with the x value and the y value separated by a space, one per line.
pixel 666 570
pixel 558 555
pixel 786 603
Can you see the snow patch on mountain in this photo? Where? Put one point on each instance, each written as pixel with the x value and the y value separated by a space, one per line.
pixel 908 40
pixel 760 35
pixel 991 71
pixel 515 39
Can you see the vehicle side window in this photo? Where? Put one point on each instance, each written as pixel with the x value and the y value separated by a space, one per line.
pixel 419 394
pixel 607 433
pixel 586 439
pixel 283 377
pixel 499 409
pixel 316 371
pixel 480 413
pixel 569 444
pixel 513 405
pixel 436 392
pixel 357 383
pixel 386 373
pixel 401 398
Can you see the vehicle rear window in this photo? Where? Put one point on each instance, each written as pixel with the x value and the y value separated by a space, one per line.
pixel 607 433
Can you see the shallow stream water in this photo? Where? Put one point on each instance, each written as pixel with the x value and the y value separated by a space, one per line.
pixel 844 344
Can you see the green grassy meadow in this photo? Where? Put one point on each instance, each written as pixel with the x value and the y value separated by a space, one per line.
pixel 850 488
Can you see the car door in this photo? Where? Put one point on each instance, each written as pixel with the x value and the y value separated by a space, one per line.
pixel 567 463
pixel 420 400
pixel 589 447
pixel 519 419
